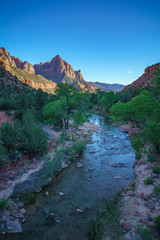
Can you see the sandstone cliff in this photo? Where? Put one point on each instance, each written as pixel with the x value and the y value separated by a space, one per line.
pixel 145 79
pixel 19 78
pixel 57 70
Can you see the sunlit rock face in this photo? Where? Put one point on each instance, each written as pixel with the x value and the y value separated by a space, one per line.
pixel 145 79
pixel 56 69
pixel 6 56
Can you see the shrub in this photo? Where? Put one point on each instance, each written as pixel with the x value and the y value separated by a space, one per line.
pixel 148 181
pixel 2 154
pixel 8 136
pixel 31 136
pixel 156 168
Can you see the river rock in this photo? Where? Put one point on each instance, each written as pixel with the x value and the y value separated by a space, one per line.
pixel 79 165
pixel 127 226
pixel 64 165
pixel 13 226
pixel 46 193
pixel 150 204
pixel 23 211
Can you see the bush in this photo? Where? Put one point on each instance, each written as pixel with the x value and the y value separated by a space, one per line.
pixel 8 136
pixel 2 154
pixel 148 181
pixel 31 136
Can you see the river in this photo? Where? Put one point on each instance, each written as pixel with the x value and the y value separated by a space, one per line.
pixel 107 168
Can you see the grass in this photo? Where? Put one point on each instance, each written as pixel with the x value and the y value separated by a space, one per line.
pixel 3 203
pixel 148 181
pixel 31 199
pixel 145 234
pixel 155 168
pixel 106 222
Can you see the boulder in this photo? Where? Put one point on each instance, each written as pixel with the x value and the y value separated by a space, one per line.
pixel 13 226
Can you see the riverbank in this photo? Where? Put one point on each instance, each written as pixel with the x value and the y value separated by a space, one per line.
pixel 66 150
pixel 141 198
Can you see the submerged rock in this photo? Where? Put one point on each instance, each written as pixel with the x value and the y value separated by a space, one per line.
pixel 117 176
pixel 60 194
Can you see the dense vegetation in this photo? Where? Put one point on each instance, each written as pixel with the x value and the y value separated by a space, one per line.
pixel 31 109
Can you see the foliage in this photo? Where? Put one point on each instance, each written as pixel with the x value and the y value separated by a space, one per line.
pixel 106 220
pixel 145 234
pixel 139 109
pixel 54 112
pixel 156 190
pixel 151 158
pixel 8 136
pixel 3 152
pixel 3 203
pixel 30 134
pixel 79 118
pixel 108 100
pixel 148 181
pixel 155 168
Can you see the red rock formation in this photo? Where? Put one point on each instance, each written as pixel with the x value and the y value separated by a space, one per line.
pixel 6 56
pixel 145 79
pixel 57 69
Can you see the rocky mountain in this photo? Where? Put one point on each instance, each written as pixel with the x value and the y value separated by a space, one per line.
pixel 145 79
pixel 57 70
pixel 16 77
pixel 109 87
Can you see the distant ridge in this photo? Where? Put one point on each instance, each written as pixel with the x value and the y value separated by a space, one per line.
pixel 109 87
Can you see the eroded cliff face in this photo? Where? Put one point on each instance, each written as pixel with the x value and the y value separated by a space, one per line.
pixel 144 80
pixel 57 69
pixel 6 56
pixel 16 77
pixel 54 70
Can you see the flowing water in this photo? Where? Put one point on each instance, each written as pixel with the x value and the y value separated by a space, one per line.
pixel 108 167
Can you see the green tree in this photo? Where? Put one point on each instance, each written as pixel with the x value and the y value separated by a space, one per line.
pixel 68 93
pixel 55 112
pixel 31 136
pixel 8 136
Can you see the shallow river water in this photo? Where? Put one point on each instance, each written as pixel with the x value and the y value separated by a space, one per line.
pixel 108 167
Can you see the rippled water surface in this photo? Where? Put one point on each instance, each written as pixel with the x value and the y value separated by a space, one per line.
pixel 108 166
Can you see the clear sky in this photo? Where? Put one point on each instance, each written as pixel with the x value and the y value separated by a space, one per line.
pixel 110 41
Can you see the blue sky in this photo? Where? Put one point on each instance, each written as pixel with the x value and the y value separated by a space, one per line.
pixel 110 41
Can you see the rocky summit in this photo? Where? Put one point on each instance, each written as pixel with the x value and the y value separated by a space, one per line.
pixel 56 71
pixel 145 79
